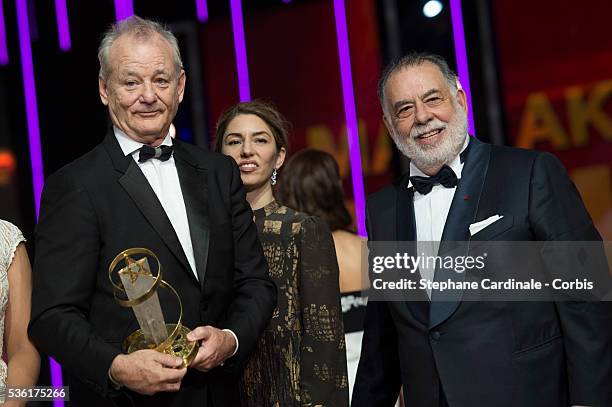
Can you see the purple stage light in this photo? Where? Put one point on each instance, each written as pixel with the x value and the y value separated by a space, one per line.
pixel 56 380
pixel 29 87
pixel 352 128
pixel 240 48
pixel 123 9
pixel 63 28
pixel 462 61
pixel 4 58
pixel 202 10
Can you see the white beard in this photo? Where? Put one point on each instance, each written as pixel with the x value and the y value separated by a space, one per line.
pixel 425 156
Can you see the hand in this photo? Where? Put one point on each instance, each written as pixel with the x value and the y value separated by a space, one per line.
pixel 148 371
pixel 215 346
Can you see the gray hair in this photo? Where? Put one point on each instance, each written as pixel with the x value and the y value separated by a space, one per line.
pixel 142 29
pixel 416 59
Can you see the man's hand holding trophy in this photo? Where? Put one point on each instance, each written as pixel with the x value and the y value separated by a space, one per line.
pixel 157 355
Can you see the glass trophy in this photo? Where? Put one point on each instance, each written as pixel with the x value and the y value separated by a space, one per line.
pixel 136 288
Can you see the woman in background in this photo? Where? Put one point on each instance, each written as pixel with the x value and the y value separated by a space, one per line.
pixel 300 358
pixel 22 359
pixel 311 183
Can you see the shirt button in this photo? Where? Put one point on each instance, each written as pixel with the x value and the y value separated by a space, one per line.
pixel 435 335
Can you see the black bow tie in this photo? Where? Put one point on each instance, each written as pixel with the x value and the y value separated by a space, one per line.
pixel 161 153
pixel 445 177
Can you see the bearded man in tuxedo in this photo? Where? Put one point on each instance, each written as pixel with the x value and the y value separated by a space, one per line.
pixel 458 353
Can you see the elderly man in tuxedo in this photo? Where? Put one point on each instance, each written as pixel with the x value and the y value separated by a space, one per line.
pixel 141 188
pixel 463 354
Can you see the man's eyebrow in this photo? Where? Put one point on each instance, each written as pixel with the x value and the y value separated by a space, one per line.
pixel 127 72
pixel 160 72
pixel 423 96
pixel 402 102
pixel 429 93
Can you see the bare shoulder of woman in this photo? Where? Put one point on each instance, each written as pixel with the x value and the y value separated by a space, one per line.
pixel 349 250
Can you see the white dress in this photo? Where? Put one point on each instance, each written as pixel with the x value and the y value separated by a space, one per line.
pixel 10 237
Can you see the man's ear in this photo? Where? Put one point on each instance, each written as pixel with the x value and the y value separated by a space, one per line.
pixel 181 85
pixel 461 99
pixel 102 89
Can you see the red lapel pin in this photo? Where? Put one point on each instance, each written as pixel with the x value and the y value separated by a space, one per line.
pixel 466 197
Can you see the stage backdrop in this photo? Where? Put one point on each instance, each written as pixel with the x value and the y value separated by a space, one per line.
pixel 293 62
pixel 555 59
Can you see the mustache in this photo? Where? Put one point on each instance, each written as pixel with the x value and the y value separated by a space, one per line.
pixel 421 129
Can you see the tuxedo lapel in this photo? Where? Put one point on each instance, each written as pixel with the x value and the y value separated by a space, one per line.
pixel 467 196
pixel 406 224
pixel 195 195
pixel 139 190
pixel 456 230
pixel 137 187
pixel 406 234
pixel 111 145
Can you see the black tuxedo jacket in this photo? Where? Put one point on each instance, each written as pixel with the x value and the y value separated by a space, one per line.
pixel 465 354
pixel 101 204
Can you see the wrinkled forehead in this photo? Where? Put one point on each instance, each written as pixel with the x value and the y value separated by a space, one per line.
pixel 415 81
pixel 133 48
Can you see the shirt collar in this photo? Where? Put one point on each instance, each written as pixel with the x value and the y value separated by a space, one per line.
pixel 456 165
pixel 130 146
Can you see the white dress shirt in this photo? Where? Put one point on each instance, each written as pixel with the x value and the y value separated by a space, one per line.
pixel 430 213
pixel 164 180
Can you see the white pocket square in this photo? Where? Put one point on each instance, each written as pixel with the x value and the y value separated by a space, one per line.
pixel 478 226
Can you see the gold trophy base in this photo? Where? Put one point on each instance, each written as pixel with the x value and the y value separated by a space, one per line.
pixel 180 347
